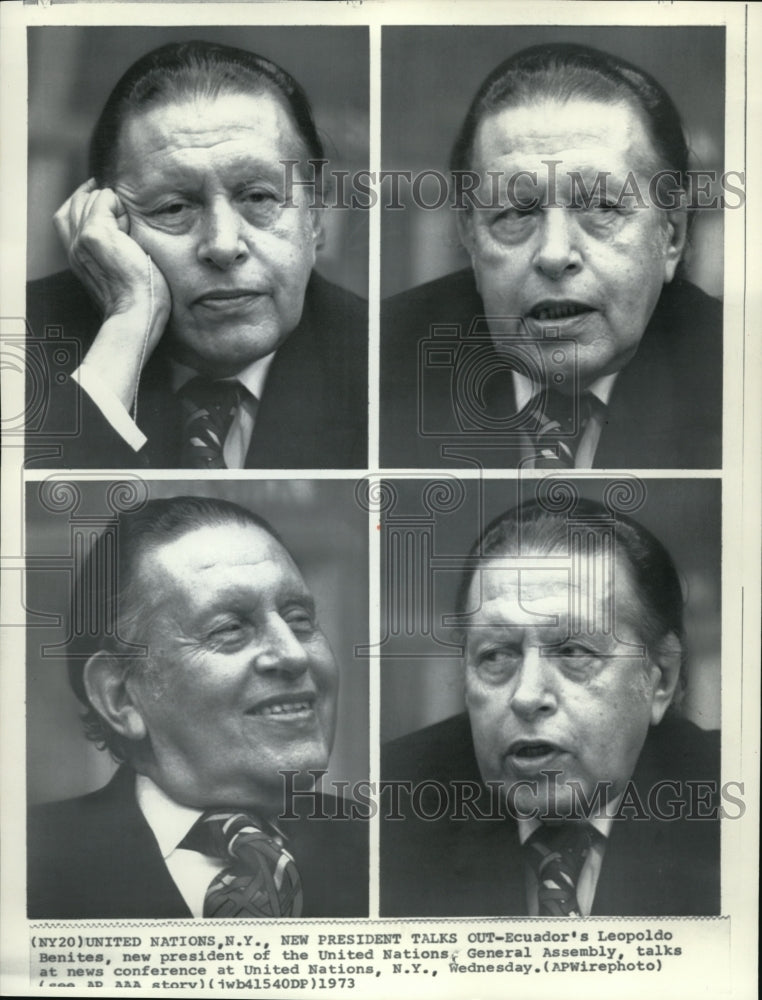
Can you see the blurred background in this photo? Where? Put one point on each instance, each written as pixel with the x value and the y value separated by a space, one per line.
pixel 431 74
pixel 422 676
pixel 321 525
pixel 73 69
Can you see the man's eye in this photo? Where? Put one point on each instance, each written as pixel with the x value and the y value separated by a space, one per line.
pixel 172 208
pixel 574 649
pixel 301 622
pixel 497 663
pixel 258 196
pixel 601 212
pixel 260 206
pixel 513 224
pixel 603 207
pixel 515 216
pixel 576 658
pixel 226 631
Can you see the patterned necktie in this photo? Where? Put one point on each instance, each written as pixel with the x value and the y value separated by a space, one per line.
pixel 557 854
pixel 261 879
pixel 208 409
pixel 556 438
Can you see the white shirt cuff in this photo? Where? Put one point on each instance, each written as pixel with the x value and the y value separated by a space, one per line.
pixel 110 406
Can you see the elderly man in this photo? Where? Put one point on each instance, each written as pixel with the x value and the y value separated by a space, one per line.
pixel 206 339
pixel 571 786
pixel 572 340
pixel 217 678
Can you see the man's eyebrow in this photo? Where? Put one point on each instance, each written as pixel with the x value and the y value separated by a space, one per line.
pixel 244 593
pixel 238 173
pixel 303 597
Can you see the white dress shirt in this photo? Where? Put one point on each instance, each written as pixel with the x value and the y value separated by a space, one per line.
pixel 524 388
pixel 170 823
pixel 237 442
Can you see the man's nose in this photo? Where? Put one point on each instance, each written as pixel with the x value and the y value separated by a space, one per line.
pixel 222 241
pixel 280 650
pixel 557 252
pixel 534 689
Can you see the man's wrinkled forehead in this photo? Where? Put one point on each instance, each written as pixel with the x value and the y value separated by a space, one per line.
pixel 552 587
pixel 577 132
pixel 134 121
pixel 209 555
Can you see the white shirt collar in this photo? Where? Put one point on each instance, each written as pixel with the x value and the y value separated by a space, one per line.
pixel 524 388
pixel 169 821
pixel 252 376
pixel 601 821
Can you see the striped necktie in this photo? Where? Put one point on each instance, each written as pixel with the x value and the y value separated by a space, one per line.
pixel 556 854
pixel 557 438
pixel 208 409
pixel 261 878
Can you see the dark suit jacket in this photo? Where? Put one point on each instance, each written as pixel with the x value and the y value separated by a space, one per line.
pixel 313 411
pixel 474 867
pixel 96 857
pixel 665 410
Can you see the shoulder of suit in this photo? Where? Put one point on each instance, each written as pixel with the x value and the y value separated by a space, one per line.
pixel 62 289
pixel 63 283
pixel 443 751
pixel 60 300
pixel 316 805
pixel 326 297
pixel 458 287
pixel 686 310
pixel 118 789
pixel 678 749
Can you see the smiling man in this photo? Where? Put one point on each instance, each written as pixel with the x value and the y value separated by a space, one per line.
pixel 571 786
pixel 572 340
pixel 217 678
pixel 206 339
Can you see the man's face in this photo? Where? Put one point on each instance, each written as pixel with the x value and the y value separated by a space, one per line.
pixel 581 708
pixel 593 275
pixel 204 190
pixel 240 681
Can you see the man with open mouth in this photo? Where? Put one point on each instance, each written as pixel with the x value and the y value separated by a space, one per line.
pixel 573 339
pixel 568 786
pixel 216 679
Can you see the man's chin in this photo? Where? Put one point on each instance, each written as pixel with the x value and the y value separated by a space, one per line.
pixel 221 354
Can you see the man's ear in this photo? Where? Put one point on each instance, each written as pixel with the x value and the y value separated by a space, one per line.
pixel 105 678
pixel 665 675
pixel 677 232
pixel 318 227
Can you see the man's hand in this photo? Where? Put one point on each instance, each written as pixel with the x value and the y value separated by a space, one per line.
pixel 93 225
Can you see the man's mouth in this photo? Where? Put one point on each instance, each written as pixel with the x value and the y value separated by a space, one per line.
pixel 284 706
pixel 531 751
pixel 228 298
pixel 549 310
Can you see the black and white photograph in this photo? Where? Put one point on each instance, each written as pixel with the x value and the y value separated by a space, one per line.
pixel 183 257
pixel 203 670
pixel 554 269
pixel 551 702
pixel 381 549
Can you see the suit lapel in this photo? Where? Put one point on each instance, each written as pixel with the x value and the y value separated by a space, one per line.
pixel 656 866
pixel 295 386
pixel 159 415
pixel 127 869
pixel 630 882
pixel 488 869
pixel 642 426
